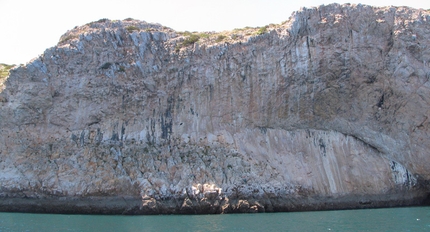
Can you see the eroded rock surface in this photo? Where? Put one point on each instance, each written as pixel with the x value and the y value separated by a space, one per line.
pixel 328 110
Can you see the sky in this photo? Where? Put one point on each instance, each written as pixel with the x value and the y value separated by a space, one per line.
pixel 28 27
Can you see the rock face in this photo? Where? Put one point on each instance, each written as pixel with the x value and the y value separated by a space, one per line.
pixel 328 110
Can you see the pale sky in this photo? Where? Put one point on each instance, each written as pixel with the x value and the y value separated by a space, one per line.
pixel 28 27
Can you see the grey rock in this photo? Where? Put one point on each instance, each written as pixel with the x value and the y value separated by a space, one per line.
pixel 328 110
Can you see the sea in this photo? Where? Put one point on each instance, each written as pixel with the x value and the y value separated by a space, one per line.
pixel 384 219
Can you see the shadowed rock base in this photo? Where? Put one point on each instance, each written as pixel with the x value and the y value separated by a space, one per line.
pixel 136 206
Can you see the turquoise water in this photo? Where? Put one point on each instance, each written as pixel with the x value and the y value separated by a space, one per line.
pixel 393 219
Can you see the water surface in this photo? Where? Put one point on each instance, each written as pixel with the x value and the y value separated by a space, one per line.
pixel 391 219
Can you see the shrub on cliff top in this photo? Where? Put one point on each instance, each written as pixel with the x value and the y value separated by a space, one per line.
pixel 132 28
pixel 4 70
pixel 261 30
pixel 190 40
pixel 102 20
pixel 66 38
pixel 220 38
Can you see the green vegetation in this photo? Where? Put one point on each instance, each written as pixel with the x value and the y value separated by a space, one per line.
pixel 190 39
pixel 102 20
pixel 261 30
pixel 204 35
pixel 67 38
pixel 129 19
pixel 132 28
pixel 4 70
pixel 220 38
pixel 249 31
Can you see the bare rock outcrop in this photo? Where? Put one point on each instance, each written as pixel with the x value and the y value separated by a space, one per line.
pixel 328 110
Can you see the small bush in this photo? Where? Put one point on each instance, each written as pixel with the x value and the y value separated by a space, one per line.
pixel 102 20
pixel 185 33
pixel 190 40
pixel 4 70
pixel 93 23
pixel 129 19
pixel 220 38
pixel 204 35
pixel 67 38
pixel 261 30
pixel 132 28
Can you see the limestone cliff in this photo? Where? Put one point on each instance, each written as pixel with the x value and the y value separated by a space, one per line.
pixel 326 110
